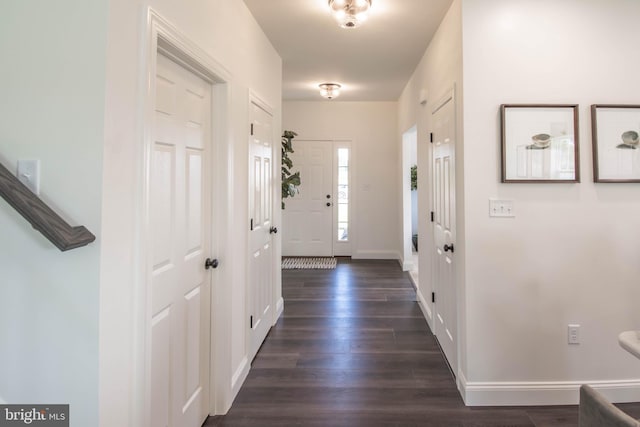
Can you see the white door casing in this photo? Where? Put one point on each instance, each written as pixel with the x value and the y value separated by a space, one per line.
pixel 343 197
pixel 261 204
pixel 409 159
pixel 308 216
pixel 180 220
pixel 443 190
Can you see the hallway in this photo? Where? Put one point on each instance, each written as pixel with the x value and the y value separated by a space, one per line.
pixel 352 349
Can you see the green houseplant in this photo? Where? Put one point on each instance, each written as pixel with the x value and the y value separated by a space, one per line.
pixel 290 180
pixel 414 177
pixel 414 186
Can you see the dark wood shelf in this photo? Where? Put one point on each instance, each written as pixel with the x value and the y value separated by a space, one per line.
pixel 41 216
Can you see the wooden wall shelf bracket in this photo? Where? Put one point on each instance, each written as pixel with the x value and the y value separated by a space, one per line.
pixel 41 216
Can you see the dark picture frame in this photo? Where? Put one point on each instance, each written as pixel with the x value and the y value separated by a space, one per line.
pixel 540 143
pixel 616 146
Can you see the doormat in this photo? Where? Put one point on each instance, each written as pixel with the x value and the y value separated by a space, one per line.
pixel 303 263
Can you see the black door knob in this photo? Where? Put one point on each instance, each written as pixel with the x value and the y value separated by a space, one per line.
pixel 328 196
pixel 273 230
pixel 328 204
pixel 448 248
pixel 210 263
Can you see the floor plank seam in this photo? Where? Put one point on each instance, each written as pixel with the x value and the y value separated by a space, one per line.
pixel 353 348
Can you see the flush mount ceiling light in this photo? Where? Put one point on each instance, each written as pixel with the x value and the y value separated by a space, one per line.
pixel 330 90
pixel 350 13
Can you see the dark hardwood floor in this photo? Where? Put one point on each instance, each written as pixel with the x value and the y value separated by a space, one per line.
pixel 353 349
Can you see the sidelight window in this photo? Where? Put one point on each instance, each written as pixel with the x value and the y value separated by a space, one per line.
pixel 343 194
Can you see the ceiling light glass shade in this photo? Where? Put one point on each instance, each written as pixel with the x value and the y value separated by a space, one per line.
pixel 350 13
pixel 330 90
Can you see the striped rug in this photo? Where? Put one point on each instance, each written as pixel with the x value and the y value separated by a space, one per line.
pixel 305 263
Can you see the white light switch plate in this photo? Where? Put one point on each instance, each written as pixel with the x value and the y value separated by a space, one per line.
pixel 573 334
pixel 29 174
pixel 501 208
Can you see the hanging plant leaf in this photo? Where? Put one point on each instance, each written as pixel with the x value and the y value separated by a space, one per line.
pixel 290 181
pixel 287 161
pixel 414 177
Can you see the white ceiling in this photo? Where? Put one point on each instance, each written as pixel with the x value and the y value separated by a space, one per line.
pixel 372 62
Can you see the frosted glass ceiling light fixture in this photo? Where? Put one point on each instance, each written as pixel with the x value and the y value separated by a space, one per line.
pixel 330 90
pixel 350 13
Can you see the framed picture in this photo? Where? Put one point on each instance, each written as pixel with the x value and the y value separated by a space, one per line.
pixel 616 153
pixel 540 143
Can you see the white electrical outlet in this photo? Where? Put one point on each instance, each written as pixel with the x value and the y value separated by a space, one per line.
pixel 574 334
pixel 501 208
pixel 29 174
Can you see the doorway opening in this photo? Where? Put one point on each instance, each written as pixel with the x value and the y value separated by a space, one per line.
pixel 443 258
pixel 410 202
pixel 261 257
pixel 181 339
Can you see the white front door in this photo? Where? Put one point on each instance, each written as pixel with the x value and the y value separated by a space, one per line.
pixel 444 228
pixel 180 212
pixel 261 256
pixel 308 216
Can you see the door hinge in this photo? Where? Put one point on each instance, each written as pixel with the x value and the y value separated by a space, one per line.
pixel 251 225
pixel 251 129
pixel 431 137
pixel 432 216
pixel 433 297
pixel 251 322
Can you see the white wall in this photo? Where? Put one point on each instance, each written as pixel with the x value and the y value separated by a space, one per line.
pixel 439 71
pixel 52 85
pixel 522 280
pixel 228 33
pixel 372 128
pixel 571 253
pixel 69 316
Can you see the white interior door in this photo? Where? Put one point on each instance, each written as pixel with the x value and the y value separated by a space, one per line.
pixel 308 216
pixel 261 257
pixel 444 228
pixel 180 212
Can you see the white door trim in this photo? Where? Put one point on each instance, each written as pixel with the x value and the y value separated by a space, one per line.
pixel 407 138
pixel 162 36
pixel 341 248
pixel 276 300
pixel 256 99
pixel 448 96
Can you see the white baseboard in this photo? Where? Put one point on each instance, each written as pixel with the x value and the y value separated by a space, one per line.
pixel 413 276
pixel 366 254
pixel 279 310
pixel 542 393
pixel 425 307
pixel 238 377
pixel 407 265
